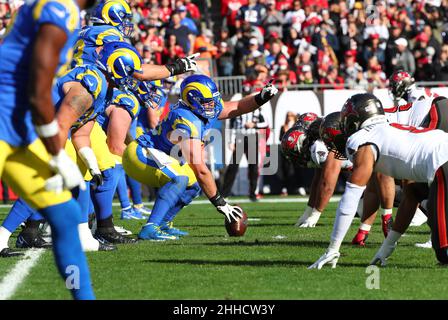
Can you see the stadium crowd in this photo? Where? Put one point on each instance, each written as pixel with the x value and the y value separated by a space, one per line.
pixel 298 42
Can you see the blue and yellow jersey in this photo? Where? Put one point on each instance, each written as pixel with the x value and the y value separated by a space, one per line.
pixel 15 56
pixel 123 100
pixel 89 39
pixel 183 122
pixel 142 118
pixel 93 80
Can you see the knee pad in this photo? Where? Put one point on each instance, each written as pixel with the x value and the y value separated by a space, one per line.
pixel 192 192
pixel 173 189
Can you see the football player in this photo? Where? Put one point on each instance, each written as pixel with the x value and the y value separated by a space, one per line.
pixel 36 46
pixel 82 94
pixel 403 89
pixel 302 145
pixel 153 159
pixel 421 156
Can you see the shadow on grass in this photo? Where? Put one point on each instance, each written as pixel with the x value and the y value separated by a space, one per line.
pixel 264 263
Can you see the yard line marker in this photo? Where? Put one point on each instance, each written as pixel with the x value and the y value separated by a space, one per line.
pixel 11 282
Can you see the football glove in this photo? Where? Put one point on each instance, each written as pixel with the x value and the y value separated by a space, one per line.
pixel 67 175
pixel 383 253
pixel 330 257
pixel 266 94
pixel 306 214
pixel 232 213
pixel 311 221
pixel 97 178
pixel 183 65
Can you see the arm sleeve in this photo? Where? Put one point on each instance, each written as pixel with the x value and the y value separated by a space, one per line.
pixel 345 213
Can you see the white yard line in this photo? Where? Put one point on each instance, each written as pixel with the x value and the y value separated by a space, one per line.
pixel 11 282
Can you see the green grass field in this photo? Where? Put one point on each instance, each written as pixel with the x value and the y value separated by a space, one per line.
pixel 269 262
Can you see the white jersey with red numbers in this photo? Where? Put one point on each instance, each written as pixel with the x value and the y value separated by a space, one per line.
pixel 411 114
pixel 319 154
pixel 403 152
pixel 418 94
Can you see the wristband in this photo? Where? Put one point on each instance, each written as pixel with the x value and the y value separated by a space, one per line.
pixel 259 99
pixel 47 130
pixel 218 200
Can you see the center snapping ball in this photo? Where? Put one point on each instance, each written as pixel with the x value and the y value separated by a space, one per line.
pixel 237 228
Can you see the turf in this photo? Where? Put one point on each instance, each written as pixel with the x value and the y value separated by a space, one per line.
pixel 269 262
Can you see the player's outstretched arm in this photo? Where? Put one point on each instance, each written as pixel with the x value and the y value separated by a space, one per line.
pixel 362 170
pixel 49 42
pixel 156 72
pixel 193 151
pixel 327 183
pixel 248 104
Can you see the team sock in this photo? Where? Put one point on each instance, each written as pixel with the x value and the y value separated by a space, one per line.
pixel 83 199
pixel 167 198
pixel 70 259
pixel 18 214
pixel 186 198
pixel 136 191
pixel 103 196
pixel 122 188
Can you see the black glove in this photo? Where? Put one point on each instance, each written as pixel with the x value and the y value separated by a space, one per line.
pixel 266 94
pixel 183 65
pixel 97 179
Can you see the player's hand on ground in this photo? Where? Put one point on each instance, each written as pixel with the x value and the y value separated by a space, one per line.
pixel 330 257
pixel 97 178
pixel 67 175
pixel 311 221
pixel 232 213
pixel 383 253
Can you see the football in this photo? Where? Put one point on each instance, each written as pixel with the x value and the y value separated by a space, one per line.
pixel 237 228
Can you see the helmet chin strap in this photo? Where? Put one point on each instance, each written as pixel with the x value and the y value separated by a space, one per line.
pixel 374 120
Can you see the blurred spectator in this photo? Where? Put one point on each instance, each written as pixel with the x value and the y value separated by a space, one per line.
pixel 424 56
pixel 373 49
pixel 204 45
pixel 186 21
pixel 441 67
pixel 229 10
pixel 403 58
pixel 351 71
pixel 254 61
pixel 326 58
pixel 183 36
pixel 306 75
pixel 193 10
pixel 273 22
pixel 165 11
pixel 333 79
pixel 253 13
pixel 296 16
pixel 224 60
pixel 374 75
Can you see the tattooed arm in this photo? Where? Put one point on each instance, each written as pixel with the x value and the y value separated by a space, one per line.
pixel 76 102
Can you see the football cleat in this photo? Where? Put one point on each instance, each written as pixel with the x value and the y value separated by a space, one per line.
pixel 111 236
pixel 25 241
pixel 418 219
pixel 8 253
pixel 152 232
pixel 386 223
pixel 130 214
pixel 123 231
pixel 360 238
pixel 168 228
pixel 107 247
pixel 142 209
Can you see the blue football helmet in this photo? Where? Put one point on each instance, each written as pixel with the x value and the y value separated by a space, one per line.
pixel 151 93
pixel 200 93
pixel 120 60
pixel 116 13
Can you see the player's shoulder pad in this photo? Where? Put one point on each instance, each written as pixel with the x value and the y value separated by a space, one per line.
pixel 185 121
pixel 105 34
pixel 62 13
pixel 126 101
pixel 361 138
pixel 91 79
